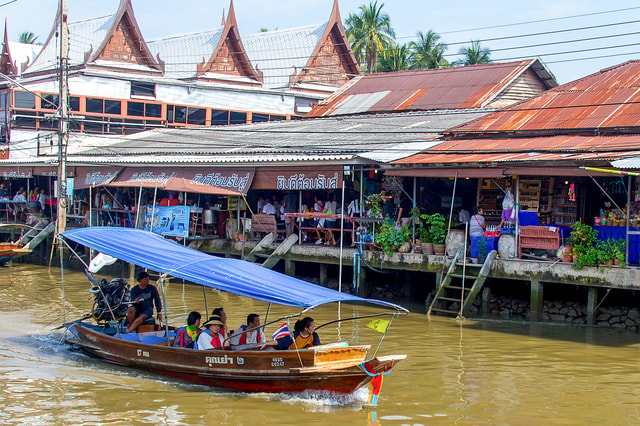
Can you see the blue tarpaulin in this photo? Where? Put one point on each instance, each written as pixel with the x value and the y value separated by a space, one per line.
pixel 153 252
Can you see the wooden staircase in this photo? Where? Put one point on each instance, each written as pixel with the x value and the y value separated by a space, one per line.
pixel 453 289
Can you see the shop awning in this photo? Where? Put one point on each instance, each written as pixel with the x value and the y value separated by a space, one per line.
pixel 14 171
pixel 188 179
pixel 51 171
pixel 448 172
pixel 91 176
pixel 296 178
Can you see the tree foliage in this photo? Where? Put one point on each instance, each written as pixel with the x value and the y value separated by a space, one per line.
pixel 369 33
pixel 474 54
pixel 27 37
pixel 427 51
pixel 395 58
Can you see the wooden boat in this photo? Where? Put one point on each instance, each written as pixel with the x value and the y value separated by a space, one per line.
pixel 11 251
pixel 337 367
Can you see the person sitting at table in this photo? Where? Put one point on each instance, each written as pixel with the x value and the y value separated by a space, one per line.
pixel 330 207
pixel 3 191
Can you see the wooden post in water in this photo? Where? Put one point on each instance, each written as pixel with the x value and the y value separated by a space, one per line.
pixel 290 267
pixel 362 282
pixel 592 297
pixel 537 290
pixel 323 274
pixel 486 295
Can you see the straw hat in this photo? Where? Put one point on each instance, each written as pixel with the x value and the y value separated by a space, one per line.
pixel 213 320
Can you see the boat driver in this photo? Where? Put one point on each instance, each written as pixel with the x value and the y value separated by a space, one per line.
pixel 144 295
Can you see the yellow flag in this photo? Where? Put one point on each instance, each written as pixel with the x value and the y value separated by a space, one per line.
pixel 379 325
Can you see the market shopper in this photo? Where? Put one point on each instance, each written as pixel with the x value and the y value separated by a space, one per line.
pixel 477 224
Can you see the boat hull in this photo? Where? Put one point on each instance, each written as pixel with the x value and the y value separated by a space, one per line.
pixel 10 251
pixel 333 369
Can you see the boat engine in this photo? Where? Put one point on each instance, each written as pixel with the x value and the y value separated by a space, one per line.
pixel 110 297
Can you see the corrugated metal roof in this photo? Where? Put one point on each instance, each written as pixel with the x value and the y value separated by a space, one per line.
pixel 448 88
pixel 627 163
pixel 182 53
pixel 382 137
pixel 608 99
pixel 551 148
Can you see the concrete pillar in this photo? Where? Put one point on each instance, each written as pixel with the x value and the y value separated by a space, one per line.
pixel 486 295
pixel 438 279
pixel 323 274
pixel 290 267
pixel 592 297
pixel 362 283
pixel 537 301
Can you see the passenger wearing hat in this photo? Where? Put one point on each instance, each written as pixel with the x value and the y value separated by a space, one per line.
pixel 144 295
pixel 210 337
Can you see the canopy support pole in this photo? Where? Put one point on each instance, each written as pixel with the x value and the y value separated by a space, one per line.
pixel 153 209
pixel 204 294
pixel 138 207
pixel 628 217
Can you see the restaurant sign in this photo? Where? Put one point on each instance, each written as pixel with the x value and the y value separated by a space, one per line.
pixel 92 177
pixel 296 180
pixel 189 179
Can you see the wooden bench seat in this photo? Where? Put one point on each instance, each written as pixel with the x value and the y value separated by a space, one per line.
pixel 539 237
pixel 264 223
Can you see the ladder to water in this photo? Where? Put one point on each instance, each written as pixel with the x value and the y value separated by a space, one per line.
pixel 455 297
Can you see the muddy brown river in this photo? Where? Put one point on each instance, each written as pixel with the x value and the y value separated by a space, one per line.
pixel 457 372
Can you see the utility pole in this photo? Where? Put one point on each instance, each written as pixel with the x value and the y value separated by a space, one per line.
pixel 63 135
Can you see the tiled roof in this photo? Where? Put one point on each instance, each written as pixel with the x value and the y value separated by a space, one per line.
pixel 279 53
pixel 182 53
pixel 83 36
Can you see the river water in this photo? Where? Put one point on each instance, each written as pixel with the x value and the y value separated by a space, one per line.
pixel 457 372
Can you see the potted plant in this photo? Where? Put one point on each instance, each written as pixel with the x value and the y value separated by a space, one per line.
pixel 425 235
pixel 373 204
pixel 583 238
pixel 438 232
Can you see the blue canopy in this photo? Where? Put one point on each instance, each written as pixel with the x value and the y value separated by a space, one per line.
pixel 153 252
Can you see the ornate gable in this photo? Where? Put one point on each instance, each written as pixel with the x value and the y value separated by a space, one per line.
pixel 332 62
pixel 229 57
pixel 7 66
pixel 124 41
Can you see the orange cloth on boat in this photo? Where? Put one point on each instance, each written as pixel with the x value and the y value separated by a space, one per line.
pixel 302 342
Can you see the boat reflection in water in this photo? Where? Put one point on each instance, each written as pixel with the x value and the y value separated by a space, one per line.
pixel 338 367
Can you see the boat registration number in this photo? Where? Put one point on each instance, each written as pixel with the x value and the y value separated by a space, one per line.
pixel 277 362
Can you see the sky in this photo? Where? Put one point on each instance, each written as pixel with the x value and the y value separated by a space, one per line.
pixel 611 39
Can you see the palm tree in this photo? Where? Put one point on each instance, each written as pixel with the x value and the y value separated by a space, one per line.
pixel 369 32
pixel 428 52
pixel 395 58
pixel 27 37
pixel 474 55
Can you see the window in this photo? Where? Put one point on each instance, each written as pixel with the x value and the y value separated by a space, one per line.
pixel 153 110
pixel 49 101
pixel 237 117
pixel 112 107
pixel 219 117
pixel 74 103
pixel 277 117
pixel 93 105
pixel 143 89
pixel 24 100
pixel 176 114
pixel 259 118
pixel 197 116
pixel 135 108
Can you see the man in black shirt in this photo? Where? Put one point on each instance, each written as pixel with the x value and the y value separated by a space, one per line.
pixel 144 295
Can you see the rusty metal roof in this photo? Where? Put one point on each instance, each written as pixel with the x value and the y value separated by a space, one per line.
pixel 449 88
pixel 606 100
pixel 550 148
